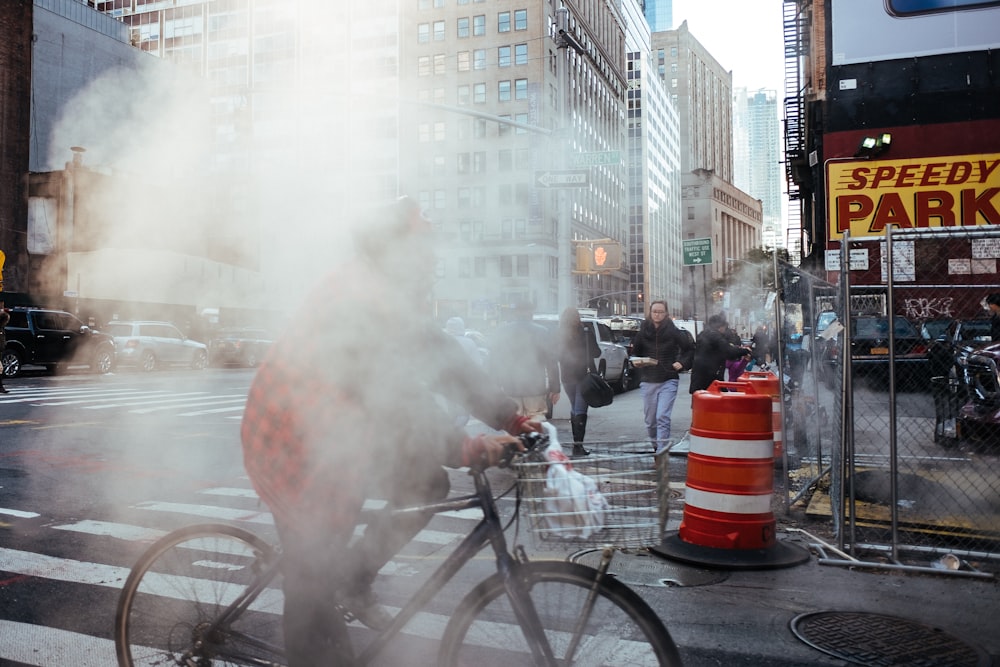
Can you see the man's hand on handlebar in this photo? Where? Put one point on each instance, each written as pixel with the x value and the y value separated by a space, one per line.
pixel 490 450
pixel 530 426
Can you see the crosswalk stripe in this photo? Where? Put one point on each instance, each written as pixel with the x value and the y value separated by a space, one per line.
pixel 137 401
pixel 207 400
pixel 43 646
pixel 209 512
pixel 18 513
pixel 233 408
pixel 101 397
pixel 120 531
pixel 182 397
pixel 61 569
pixel 233 492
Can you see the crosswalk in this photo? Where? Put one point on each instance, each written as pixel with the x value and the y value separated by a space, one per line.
pixel 134 400
pixel 119 544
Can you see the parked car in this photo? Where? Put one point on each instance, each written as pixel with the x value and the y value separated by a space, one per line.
pixel 53 339
pixel 151 345
pixel 613 363
pixel 979 417
pixel 870 349
pixel 240 346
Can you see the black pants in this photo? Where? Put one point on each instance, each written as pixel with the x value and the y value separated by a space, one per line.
pixel 316 566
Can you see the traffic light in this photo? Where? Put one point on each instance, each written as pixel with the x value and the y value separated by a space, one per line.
pixel 598 256
pixel 606 257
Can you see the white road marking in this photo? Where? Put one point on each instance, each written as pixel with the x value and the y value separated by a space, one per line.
pixel 18 513
pixel 209 512
pixel 233 408
pixel 121 531
pixel 230 492
pixel 183 397
pixel 208 400
pixel 43 646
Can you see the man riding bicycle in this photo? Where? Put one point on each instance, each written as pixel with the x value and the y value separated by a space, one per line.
pixel 342 409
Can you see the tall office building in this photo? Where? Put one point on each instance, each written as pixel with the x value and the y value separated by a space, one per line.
pixel 504 150
pixel 653 176
pixel 304 103
pixel 702 92
pixel 659 14
pixel 757 157
pixel 713 208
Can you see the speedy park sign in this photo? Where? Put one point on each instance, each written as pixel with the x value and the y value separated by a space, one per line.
pixel 864 196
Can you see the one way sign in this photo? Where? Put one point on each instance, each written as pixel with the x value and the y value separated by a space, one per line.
pixel 574 178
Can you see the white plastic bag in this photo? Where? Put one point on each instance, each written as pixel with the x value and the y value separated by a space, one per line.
pixel 574 507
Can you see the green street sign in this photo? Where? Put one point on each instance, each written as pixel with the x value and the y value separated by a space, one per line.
pixel 578 160
pixel 697 251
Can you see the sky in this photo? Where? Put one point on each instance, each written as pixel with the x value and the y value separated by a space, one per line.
pixel 744 36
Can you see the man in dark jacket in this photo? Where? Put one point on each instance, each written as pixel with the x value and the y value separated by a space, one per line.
pixel 712 351
pixel 670 349
pixel 993 305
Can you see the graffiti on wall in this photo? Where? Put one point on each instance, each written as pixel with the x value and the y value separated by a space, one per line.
pixel 927 308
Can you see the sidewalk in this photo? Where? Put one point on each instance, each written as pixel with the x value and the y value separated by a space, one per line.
pixel 743 617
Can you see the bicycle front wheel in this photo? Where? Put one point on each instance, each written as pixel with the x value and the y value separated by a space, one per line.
pixel 168 610
pixel 615 627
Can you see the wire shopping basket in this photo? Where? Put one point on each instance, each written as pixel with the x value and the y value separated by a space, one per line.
pixel 632 483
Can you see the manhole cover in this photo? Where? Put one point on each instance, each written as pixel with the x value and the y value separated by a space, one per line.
pixel 875 639
pixel 641 568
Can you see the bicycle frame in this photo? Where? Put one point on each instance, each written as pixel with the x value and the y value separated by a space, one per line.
pixel 489 531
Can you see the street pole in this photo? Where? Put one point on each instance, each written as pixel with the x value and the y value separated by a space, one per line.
pixel 694 302
pixel 564 284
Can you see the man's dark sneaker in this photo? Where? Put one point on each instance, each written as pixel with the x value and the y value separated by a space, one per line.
pixel 364 606
pixel 579 451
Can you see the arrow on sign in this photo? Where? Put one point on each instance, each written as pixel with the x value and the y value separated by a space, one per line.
pixel 561 179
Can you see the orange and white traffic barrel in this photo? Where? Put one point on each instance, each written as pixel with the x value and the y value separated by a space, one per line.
pixel 728 519
pixel 766 382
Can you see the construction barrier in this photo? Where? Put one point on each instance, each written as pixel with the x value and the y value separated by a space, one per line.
pixel 730 483
pixel 766 382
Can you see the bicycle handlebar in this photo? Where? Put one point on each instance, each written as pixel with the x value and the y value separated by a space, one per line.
pixel 532 442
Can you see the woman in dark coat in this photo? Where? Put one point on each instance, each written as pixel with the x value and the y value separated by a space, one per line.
pixel 577 350
pixel 711 353
pixel 670 349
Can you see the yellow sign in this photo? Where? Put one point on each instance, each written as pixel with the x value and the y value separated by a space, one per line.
pixel 3 258
pixel 864 196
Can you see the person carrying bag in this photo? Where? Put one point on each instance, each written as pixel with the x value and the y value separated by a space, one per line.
pixel 577 350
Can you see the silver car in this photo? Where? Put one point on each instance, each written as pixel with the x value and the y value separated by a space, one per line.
pixel 152 345
pixel 613 363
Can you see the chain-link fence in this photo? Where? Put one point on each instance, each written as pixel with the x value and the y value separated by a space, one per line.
pixel 900 448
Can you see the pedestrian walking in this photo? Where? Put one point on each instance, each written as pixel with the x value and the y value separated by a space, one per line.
pixel 671 352
pixel 711 352
pixel 761 346
pixel 577 350
pixel 524 363
pixel 735 367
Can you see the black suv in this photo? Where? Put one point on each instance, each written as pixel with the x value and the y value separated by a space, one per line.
pixel 54 339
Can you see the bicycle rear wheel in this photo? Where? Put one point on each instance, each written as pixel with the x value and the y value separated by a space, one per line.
pixel 180 586
pixel 619 629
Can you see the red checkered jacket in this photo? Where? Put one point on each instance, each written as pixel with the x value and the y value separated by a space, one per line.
pixel 346 385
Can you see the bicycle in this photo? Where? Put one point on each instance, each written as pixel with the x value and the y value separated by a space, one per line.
pixel 208 595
